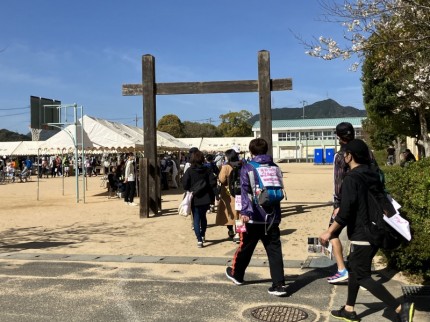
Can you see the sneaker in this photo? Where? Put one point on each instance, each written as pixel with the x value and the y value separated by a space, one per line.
pixel 200 244
pixel 228 273
pixel 363 288
pixel 231 233
pixel 132 204
pixel 407 312
pixel 338 277
pixel 344 315
pixel 236 239
pixel 279 290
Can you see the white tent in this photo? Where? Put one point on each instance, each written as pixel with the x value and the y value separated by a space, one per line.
pixel 6 148
pixel 102 135
pixel 218 144
pixel 28 148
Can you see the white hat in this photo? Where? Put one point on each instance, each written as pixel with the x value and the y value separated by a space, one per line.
pixel 236 148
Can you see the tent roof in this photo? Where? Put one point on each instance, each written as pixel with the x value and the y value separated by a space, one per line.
pixel 104 135
pixel 27 148
pixel 6 148
pixel 218 144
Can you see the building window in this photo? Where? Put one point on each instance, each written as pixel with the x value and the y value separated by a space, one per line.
pixel 282 136
pixel 292 136
pixel 329 135
pixel 307 136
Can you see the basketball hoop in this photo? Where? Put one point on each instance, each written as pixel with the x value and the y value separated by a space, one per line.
pixel 35 134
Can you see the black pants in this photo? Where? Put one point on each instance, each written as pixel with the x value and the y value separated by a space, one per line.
pixel 359 269
pixel 272 245
pixel 130 189
pixel 164 180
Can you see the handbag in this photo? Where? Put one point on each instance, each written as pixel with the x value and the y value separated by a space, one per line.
pixel 184 208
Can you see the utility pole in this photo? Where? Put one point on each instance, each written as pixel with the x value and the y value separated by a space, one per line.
pixel 304 103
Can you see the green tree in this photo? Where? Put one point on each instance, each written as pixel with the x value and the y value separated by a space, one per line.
pixel 198 130
pixel 235 124
pixel 171 124
pixel 397 33
pixel 384 124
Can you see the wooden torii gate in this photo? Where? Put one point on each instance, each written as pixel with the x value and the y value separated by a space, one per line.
pixel 149 188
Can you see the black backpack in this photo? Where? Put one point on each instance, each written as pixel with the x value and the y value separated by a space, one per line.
pixel 377 230
pixel 233 180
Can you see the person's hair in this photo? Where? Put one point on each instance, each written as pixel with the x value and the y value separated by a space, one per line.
pixel 197 158
pixel 209 157
pixel 345 131
pixel 359 151
pixel 231 155
pixel 408 151
pixel 258 146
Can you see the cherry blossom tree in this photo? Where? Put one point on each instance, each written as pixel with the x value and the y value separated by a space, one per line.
pixel 397 35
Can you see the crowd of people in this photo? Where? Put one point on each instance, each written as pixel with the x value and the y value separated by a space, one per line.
pixel 249 219
pixel 247 194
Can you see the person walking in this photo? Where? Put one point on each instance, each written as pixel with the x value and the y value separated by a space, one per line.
pixel 345 133
pixel 201 181
pixel 353 213
pixel 175 172
pixel 255 219
pixel 129 180
pixel 391 151
pixel 226 211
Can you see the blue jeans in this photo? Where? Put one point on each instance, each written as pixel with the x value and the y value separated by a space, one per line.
pixel 200 221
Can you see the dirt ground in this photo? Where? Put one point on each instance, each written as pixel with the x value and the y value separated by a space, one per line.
pixel 57 223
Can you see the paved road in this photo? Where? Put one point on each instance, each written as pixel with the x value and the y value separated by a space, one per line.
pixel 146 290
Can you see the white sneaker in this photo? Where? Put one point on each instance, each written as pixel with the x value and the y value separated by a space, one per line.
pixel 132 204
pixel 236 238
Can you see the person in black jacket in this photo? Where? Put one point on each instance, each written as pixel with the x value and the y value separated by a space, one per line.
pixel 202 182
pixel 353 214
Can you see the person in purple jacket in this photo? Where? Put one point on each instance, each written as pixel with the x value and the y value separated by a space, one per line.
pixel 257 226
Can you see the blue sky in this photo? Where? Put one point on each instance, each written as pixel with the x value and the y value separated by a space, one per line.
pixel 83 51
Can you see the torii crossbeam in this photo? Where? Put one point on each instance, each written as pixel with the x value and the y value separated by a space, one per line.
pixel 149 188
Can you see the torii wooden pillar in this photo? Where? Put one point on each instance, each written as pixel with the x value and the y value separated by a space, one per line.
pixel 149 170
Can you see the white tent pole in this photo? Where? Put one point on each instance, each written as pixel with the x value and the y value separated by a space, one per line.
pixel 83 152
pixel 76 152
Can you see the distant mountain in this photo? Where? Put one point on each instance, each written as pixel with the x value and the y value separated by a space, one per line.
pixel 323 109
pixel 9 136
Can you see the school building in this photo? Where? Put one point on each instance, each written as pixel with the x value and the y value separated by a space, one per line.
pixel 307 140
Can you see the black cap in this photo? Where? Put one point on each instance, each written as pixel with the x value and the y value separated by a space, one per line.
pixel 359 151
pixel 345 131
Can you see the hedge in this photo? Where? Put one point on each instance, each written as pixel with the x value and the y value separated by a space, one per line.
pixel 410 187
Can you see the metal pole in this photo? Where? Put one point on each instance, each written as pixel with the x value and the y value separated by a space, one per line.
pixel 307 149
pixel 296 146
pixel 39 170
pixel 304 103
pixel 62 168
pixel 83 153
pixel 76 153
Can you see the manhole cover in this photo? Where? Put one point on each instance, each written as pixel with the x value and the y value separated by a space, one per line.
pixel 279 314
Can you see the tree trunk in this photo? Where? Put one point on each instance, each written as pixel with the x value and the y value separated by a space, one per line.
pixel 398 145
pixel 424 132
